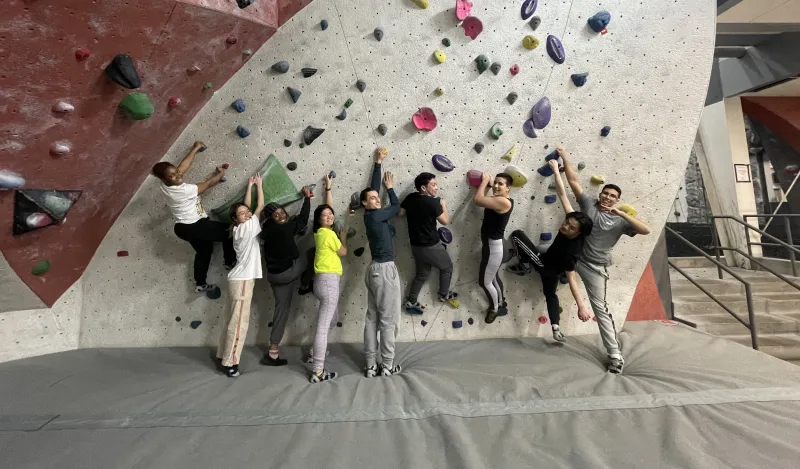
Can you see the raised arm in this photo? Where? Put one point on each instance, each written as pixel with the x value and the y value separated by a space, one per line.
pixel 386 213
pixel 444 218
pixel 187 161
pixel 212 181
pixel 375 181
pixel 583 312
pixel 498 204
pixel 639 226
pixel 560 190
pixel 569 171
pixel 328 190
pixel 259 183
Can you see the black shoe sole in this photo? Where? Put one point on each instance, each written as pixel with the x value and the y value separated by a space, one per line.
pixel 269 361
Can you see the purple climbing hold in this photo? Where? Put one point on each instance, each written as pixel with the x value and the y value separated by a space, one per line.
pixel 10 180
pixel 579 79
pixel 605 131
pixel 238 105
pixel 457 324
pixel 550 199
pixel 555 49
pixel 546 236
pixel 202 149
pixel 242 131
pixel 541 113
pixel 423 323
pixel 445 235
pixel 470 321
pixel 195 324
pixel 599 21
pixel 342 115
pixel 528 8
pixel 553 155
pixel 528 128
pixel 442 163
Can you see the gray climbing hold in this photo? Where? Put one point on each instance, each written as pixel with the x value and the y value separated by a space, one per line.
pixel 535 22
pixel 242 131
pixel 281 67
pixel 478 147
pixel 581 165
pixel 293 93
pixel 382 129
pixel 308 72
pixel 457 324
pixel 310 134
pixel 599 21
pixel 495 68
pixel 238 105
pixel 361 85
pixel 482 62
pixel 342 115
pixel 287 143
pixel 512 97
pixel 605 131
pixel 351 232
pixel 291 166
pixel 332 174
pixel 579 79
pixel 323 25
pixel 378 33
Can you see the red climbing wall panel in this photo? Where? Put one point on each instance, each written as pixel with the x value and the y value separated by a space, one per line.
pixel 287 9
pixel 111 155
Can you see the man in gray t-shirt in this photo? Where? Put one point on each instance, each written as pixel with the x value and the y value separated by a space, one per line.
pixel 610 224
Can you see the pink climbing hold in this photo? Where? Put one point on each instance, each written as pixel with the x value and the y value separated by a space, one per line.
pixel 463 7
pixel 174 102
pixel 59 148
pixel 231 40
pixel 424 119
pixel 474 177
pixel 542 319
pixel 82 54
pixel 63 107
pixel 226 166
pixel 38 220
pixel 472 26
pixel 193 69
pixel 514 69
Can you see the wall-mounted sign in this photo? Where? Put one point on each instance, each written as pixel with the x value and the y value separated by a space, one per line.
pixel 742 172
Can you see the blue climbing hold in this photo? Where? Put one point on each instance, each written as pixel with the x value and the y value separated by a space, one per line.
pixel 545 171
pixel 457 324
pixel 442 163
pixel 242 131
pixel 528 8
pixel 323 25
pixel 342 115
pixel 605 131
pixel 470 321
pixel 553 155
pixel 599 21
pixel 541 113
pixel 445 235
pixel 579 79
pixel 550 199
pixel 10 180
pixel 195 324
pixel 413 310
pixel 555 49
pixel 238 105
pixel 202 149
pixel 546 236
pixel 529 129
pixel 332 175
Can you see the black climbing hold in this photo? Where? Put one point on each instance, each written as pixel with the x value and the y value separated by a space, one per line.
pixel 177 319
pixel 378 33
pixel 280 67
pixel 579 78
pixel 342 115
pixel 269 324
pixel 202 149
pixel 291 166
pixel 535 22
pixel 245 3
pixel 293 93
pixel 478 147
pixel 423 323
pixel 361 85
pixel 287 143
pixel 470 321
pixel 382 129
pixel 242 131
pixel 323 25
pixel 355 201
pixel 512 97
pixel 457 324
pixel 495 68
pixel 195 324
pixel 123 72
pixel 339 324
pixel 358 252
pixel 214 294
pixel 533 197
pixel 308 72
pixel 238 105
pixel 599 21
pixel 555 49
pixel 482 62
pixel 553 155
pixel 605 131
pixel 446 42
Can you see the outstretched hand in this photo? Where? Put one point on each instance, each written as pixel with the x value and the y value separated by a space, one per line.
pixel 380 154
pixel 251 181
pixel 486 178
pixel 561 152
pixel 258 180
pixel 306 191
pixel 388 180
pixel 584 314
pixel 198 145
pixel 554 165
pixel 221 170
pixel 328 182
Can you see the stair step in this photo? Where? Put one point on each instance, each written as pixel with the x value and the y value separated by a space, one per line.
pixel 723 324
pixel 703 304
pixel 783 346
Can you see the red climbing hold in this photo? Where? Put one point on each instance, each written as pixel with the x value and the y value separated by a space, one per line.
pixel 231 40
pixel 226 166
pixel 424 119
pixel 472 26
pixel 82 53
pixel 174 101
pixel 474 177
pixel 542 319
pixel 514 69
pixel 122 253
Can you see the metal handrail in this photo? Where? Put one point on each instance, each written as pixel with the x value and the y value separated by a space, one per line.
pixel 757 230
pixel 767 269
pixel 789 248
pixel 748 290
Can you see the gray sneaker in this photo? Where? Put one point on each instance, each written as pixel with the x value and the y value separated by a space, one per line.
pixel 558 336
pixel 391 371
pixel 615 365
pixel 371 372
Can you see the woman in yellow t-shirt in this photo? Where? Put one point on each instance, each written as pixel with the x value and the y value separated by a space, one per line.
pixel 328 274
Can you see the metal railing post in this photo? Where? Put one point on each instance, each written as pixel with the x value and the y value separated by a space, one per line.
pixel 790 241
pixel 748 291
pixel 715 242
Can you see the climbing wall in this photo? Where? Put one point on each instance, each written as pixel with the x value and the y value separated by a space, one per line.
pixel 647 81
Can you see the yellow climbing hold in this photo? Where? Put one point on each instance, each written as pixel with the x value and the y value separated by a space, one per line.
pixel 627 209
pixel 598 179
pixel 518 177
pixel 438 54
pixel 511 153
pixel 421 3
pixel 530 42
pixel 454 303
pixel 439 91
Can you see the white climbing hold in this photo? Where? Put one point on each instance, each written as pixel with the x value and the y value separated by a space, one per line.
pixel 63 106
pixel 60 148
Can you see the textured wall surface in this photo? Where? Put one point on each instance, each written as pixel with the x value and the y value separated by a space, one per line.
pixel 647 80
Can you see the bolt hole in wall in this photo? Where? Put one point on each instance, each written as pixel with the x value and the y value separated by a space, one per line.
pixel 625 90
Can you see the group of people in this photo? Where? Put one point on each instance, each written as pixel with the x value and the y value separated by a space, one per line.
pixel 583 245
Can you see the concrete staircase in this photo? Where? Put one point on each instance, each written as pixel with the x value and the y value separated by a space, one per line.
pixel 776 306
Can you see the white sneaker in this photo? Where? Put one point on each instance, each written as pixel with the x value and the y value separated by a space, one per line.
pixel 371 372
pixel 558 336
pixel 391 371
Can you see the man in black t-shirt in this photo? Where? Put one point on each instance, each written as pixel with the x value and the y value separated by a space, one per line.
pixel 423 209
pixel 560 257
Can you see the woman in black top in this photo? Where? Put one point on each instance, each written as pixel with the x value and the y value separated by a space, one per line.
pixel 559 258
pixel 498 208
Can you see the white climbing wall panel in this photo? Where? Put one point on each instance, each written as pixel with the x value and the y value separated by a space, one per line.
pixel 647 80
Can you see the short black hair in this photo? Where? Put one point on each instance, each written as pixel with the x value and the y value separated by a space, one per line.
pixel 615 187
pixel 159 169
pixel 584 222
pixel 318 212
pixel 365 193
pixel 423 179
pixel 507 177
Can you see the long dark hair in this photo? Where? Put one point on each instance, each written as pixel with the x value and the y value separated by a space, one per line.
pixel 318 212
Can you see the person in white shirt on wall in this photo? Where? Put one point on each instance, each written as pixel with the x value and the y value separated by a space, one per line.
pixel 242 278
pixel 191 221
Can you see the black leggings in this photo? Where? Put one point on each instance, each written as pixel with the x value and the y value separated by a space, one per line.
pixel 202 235
pixel 527 252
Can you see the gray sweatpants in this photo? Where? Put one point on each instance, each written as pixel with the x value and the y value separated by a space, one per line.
pixel 326 289
pixel 425 258
pixel 595 279
pixel 384 300
pixel 283 287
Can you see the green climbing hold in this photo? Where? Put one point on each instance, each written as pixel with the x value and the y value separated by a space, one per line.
pixel 41 268
pixel 482 62
pixel 137 106
pixel 294 93
pixel 496 131
pixel 446 42
pixel 581 165
pixel 348 103
pixel 208 85
pixel 302 145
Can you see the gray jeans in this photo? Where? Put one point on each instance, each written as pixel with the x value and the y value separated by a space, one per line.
pixel 384 300
pixel 595 279
pixel 283 286
pixel 426 257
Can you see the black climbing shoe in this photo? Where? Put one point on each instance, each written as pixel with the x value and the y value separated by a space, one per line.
pixel 232 371
pixel 523 268
pixel 269 361
pixel 322 376
pixel 305 290
pixel 491 315
pixel 204 288
pixel 451 295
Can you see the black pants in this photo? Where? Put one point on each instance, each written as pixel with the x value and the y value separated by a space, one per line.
pixel 527 252
pixel 202 235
